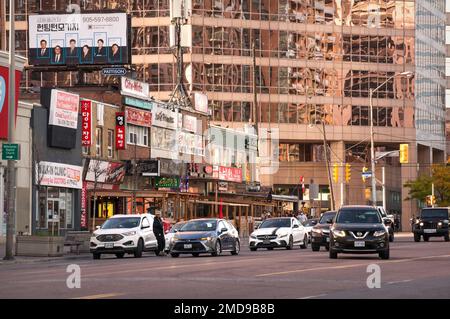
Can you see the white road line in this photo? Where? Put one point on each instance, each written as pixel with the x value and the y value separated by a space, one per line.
pixel 312 297
pixel 399 281
pixel 100 296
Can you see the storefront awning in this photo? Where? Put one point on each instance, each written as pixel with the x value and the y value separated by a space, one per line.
pixel 219 203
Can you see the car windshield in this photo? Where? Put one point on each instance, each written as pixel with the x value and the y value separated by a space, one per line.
pixel 125 222
pixel 326 216
pixel 434 213
pixel 276 222
pixel 200 225
pixel 310 222
pixel 358 216
pixel 176 227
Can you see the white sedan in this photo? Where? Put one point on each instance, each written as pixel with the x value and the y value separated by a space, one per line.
pixel 171 233
pixel 279 232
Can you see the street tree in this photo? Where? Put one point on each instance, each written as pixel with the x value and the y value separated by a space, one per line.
pixel 421 187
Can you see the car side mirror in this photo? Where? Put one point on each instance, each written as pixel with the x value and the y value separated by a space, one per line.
pixel 223 230
pixel 296 226
pixel 97 227
pixel 387 222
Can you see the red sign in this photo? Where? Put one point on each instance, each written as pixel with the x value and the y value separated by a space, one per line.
pixel 86 123
pixel 120 130
pixel 4 99
pixel 230 174
pixel 84 222
pixel 139 117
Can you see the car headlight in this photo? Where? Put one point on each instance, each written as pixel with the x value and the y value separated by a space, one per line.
pixel 440 224
pixel 339 233
pixel 130 233
pixel 421 224
pixel 417 221
pixel 252 236
pixel 205 239
pixel 282 235
pixel 379 233
pixel 445 221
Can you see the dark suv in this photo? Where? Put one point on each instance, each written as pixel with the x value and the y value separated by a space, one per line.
pixel 432 222
pixel 320 234
pixel 359 230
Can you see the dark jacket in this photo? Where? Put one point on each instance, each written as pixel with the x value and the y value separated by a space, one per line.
pixel 158 227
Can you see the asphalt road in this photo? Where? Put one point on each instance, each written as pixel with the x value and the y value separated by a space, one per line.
pixel 415 270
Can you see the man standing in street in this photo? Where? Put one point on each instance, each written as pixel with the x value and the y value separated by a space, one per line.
pixel 158 230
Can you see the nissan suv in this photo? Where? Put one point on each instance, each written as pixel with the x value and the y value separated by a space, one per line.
pixel 432 222
pixel 359 230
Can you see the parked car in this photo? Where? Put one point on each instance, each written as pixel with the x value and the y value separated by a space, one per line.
pixel 169 235
pixel 321 232
pixel 309 224
pixel 359 230
pixel 124 234
pixel 279 232
pixel 209 235
pixel 432 222
pixel 389 221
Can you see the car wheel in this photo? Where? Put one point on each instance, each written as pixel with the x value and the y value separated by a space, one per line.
pixel 391 237
pixel 426 238
pixel 253 249
pixel 237 248
pixel 384 254
pixel 120 255
pixel 218 249
pixel 416 238
pixel 139 249
pixel 327 247
pixel 96 256
pixel 333 254
pixel 195 254
pixel 291 243
pixel 305 242
pixel 175 255
pixel 315 247
pixel 447 237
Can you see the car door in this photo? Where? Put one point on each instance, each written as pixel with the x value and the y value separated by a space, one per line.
pixel 233 234
pixel 147 233
pixel 296 231
pixel 224 236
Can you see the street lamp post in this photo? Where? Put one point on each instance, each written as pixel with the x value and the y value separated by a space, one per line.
pixel 372 141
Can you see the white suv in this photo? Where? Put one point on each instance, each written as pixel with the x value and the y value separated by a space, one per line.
pixel 279 232
pixel 124 234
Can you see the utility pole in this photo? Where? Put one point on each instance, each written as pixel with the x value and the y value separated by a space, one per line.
pixel 11 182
pixel 330 182
pixel 255 113
pixel 383 182
pixel 372 151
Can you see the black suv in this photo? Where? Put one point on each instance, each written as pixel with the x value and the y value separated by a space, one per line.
pixel 432 222
pixel 359 230
pixel 320 234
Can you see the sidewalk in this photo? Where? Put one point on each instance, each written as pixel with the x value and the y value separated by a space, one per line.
pixel 30 260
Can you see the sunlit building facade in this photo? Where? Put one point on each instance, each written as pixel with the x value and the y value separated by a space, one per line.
pixel 316 61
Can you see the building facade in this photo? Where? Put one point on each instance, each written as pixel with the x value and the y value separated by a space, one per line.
pixel 316 62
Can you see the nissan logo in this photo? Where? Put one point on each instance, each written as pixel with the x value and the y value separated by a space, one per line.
pixel 359 234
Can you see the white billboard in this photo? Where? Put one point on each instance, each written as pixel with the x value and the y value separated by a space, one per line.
pixel 64 109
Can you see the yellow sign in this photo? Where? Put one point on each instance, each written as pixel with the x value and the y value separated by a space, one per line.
pixel 404 152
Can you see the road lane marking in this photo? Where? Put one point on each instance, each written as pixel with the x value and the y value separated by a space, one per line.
pixel 100 296
pixel 399 281
pixel 312 297
pixel 348 266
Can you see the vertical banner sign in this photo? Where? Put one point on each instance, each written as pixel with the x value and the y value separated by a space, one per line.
pixel 120 130
pixel 86 120
pixel 84 222
pixel 4 98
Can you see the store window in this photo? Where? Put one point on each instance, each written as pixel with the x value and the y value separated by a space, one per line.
pixel 138 135
pixel 55 209
pixel 110 143
pixel 98 141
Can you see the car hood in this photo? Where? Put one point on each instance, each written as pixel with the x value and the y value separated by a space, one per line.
pixel 322 226
pixel 195 234
pixel 114 231
pixel 359 227
pixel 271 231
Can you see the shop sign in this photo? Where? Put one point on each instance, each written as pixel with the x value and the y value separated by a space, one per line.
pixel 105 172
pixel 168 167
pixel 139 117
pixel 190 123
pixel 86 123
pixel 4 100
pixel 10 152
pixel 120 130
pixel 165 118
pixel 167 182
pixel 222 187
pixel 83 220
pixel 230 174
pixel 149 168
pixel 59 175
pixel 163 139
pixel 138 103
pixel 64 109
pixel 191 144
pixel 135 88
pixel 201 102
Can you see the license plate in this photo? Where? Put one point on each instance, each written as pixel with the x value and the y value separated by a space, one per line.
pixel 360 244
pixel 109 245
pixel 429 231
pixel 187 246
pixel 328 239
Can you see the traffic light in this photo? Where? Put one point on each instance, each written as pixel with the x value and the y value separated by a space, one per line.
pixel 335 173
pixel 348 172
pixel 364 170
pixel 430 200
pixel 404 148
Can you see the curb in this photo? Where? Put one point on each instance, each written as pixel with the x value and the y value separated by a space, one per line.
pixel 45 259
